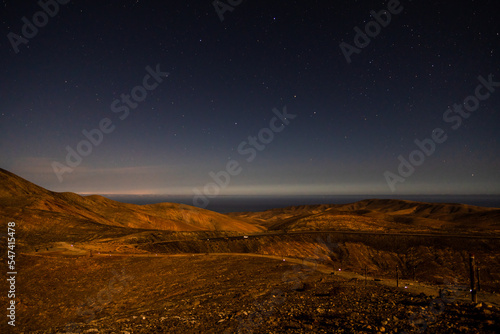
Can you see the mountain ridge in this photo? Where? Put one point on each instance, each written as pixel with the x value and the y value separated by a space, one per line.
pixel 391 214
pixel 62 216
pixel 66 214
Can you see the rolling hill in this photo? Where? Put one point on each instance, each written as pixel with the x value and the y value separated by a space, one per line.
pixel 379 215
pixel 51 216
pixel 44 216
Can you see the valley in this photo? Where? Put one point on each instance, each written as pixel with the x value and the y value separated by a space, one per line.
pixel 90 264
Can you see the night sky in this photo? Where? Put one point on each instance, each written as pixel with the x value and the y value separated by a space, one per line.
pixel 271 70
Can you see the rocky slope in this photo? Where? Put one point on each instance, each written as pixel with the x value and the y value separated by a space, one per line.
pixel 227 294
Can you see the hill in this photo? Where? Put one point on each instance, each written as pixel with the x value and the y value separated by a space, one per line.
pixel 51 216
pixel 380 215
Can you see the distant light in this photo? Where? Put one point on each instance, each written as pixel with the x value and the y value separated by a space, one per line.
pixel 406 287
pixel 340 269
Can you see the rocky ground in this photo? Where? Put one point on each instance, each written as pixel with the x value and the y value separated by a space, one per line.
pixel 225 294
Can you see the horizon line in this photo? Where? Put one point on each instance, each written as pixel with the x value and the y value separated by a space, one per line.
pixel 285 195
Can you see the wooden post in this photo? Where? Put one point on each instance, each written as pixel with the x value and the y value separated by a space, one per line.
pixel 473 291
pixel 365 275
pixel 414 277
pixel 397 277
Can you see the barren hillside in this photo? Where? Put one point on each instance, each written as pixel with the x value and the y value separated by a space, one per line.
pixel 43 214
pixel 380 215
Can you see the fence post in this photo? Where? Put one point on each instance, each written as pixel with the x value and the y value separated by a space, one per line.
pixel 365 275
pixel 472 279
pixel 397 276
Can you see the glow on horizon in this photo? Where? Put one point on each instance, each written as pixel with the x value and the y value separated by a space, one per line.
pixel 285 190
pixel 163 181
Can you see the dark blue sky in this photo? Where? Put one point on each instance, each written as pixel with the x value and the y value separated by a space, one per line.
pixel 350 123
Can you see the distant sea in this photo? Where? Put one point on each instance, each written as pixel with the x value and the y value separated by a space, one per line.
pixel 225 204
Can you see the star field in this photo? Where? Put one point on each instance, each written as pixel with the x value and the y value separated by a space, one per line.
pixel 353 120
